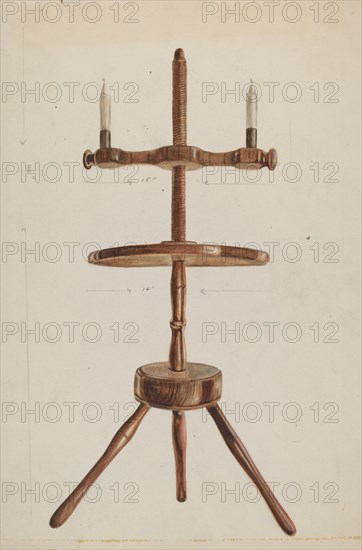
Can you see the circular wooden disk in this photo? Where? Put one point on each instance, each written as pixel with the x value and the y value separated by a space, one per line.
pixel 197 386
pixel 164 253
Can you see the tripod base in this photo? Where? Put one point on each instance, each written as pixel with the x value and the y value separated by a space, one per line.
pixel 156 386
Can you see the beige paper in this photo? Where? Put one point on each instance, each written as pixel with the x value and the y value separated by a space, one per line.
pixel 286 335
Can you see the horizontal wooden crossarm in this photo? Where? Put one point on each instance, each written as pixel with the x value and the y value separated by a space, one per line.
pixel 192 158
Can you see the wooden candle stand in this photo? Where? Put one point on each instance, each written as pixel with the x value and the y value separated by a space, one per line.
pixel 178 385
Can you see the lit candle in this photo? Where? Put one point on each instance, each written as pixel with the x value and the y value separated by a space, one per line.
pixel 105 111
pixel 251 115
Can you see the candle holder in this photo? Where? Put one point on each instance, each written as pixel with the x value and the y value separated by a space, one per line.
pixel 177 384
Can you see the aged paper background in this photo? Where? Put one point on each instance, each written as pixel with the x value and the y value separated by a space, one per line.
pixel 286 335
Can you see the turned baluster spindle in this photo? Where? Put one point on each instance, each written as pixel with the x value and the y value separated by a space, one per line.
pixel 177 357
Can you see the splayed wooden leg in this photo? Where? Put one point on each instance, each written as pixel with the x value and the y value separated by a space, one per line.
pixel 120 440
pixel 179 446
pixel 242 456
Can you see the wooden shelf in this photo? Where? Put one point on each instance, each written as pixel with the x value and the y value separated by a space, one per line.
pixel 191 253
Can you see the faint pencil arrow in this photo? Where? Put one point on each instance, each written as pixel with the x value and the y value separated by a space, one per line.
pixel 204 290
pixel 109 290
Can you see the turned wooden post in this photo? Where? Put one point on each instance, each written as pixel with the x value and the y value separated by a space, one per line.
pixel 177 357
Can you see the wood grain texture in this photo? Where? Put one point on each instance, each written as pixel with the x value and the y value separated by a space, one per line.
pixel 165 253
pixel 192 158
pixel 179 438
pixel 158 386
pixel 120 440
pixel 242 456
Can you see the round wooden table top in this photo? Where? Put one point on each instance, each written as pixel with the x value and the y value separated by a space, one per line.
pixel 166 252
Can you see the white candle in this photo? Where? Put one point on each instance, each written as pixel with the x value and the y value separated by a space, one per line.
pixel 251 106
pixel 105 108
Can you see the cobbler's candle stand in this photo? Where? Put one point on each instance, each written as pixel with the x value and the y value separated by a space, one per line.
pixel 177 384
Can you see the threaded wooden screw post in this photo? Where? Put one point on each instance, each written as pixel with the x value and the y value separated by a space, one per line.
pixel 179 99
